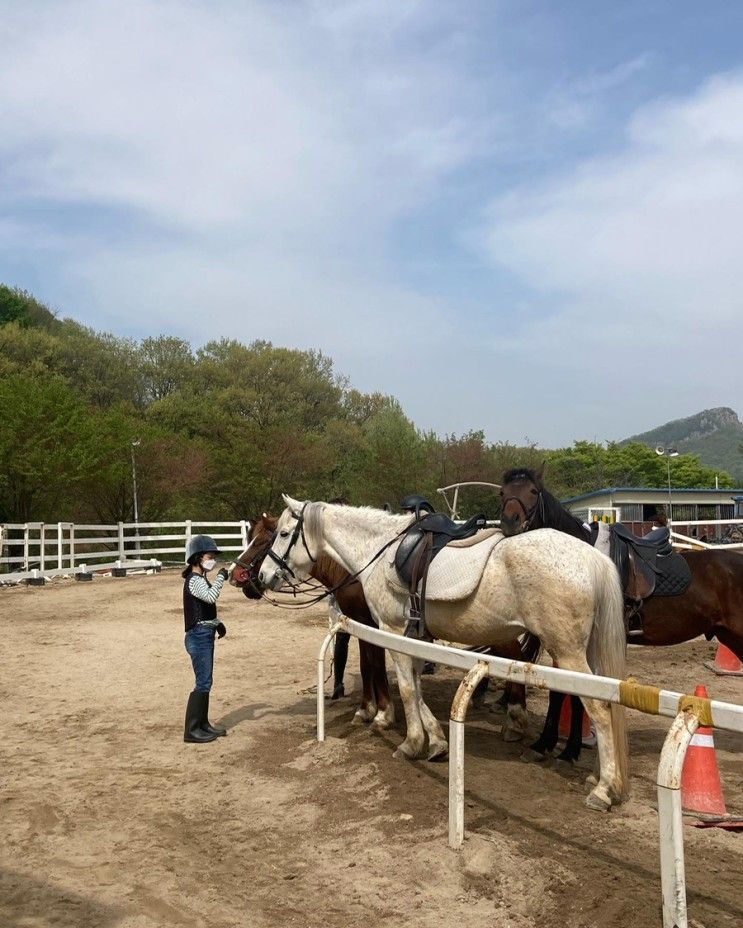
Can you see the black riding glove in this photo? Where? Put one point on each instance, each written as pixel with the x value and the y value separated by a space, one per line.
pixel 223 572
pixel 221 630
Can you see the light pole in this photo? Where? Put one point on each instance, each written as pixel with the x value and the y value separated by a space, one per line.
pixel 135 444
pixel 668 453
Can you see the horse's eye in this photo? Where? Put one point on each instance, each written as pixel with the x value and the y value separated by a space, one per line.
pixel 533 492
pixel 283 534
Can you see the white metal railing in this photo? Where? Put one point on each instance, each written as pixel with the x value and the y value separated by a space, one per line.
pixel 62 546
pixel 684 710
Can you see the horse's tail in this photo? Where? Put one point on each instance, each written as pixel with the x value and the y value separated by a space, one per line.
pixel 607 654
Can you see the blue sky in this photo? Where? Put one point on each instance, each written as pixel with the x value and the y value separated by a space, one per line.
pixel 543 200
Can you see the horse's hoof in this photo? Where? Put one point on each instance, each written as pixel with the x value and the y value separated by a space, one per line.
pixel 530 756
pixel 381 723
pixel 595 802
pixel 512 734
pixel 360 718
pixel 404 753
pixel 567 758
pixel 438 751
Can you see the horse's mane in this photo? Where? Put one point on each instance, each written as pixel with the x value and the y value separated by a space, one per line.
pixel 550 511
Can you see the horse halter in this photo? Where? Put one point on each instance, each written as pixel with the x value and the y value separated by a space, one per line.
pixel 296 534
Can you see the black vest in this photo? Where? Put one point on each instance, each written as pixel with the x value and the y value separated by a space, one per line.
pixel 196 610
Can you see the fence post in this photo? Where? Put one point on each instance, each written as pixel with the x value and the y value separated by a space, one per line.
pixel 72 545
pixel 188 534
pixel 122 552
pixel 244 532
pixel 59 546
pixel 456 751
pixel 671 823
pixel 42 547
pixel 25 546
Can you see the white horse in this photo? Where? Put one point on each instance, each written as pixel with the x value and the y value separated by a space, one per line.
pixel 545 582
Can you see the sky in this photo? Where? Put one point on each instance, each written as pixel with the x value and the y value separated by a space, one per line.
pixel 517 216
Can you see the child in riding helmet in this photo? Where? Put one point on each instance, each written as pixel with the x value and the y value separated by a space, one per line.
pixel 200 615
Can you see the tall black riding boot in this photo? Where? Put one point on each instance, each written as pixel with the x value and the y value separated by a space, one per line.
pixel 206 725
pixel 195 713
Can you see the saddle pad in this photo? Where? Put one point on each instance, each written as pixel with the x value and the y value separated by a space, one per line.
pixel 457 570
pixel 474 539
pixel 674 576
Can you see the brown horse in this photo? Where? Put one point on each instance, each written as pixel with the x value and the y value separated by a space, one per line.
pixel 711 606
pixel 376 703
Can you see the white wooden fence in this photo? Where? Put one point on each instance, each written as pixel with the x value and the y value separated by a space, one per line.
pixel 686 712
pixel 61 547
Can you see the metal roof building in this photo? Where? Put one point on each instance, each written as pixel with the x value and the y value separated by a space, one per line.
pixel 639 505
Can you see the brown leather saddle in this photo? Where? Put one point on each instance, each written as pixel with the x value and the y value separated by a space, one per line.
pixel 419 546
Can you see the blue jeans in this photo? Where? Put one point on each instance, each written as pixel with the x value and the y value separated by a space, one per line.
pixel 200 646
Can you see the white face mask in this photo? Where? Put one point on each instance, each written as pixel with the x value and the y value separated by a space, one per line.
pixel 208 563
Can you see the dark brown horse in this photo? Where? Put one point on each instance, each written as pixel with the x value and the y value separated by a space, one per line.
pixel 376 705
pixel 711 606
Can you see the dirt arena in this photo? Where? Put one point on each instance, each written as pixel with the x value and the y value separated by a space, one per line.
pixel 109 819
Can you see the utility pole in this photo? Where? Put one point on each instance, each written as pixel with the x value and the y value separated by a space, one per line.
pixel 135 444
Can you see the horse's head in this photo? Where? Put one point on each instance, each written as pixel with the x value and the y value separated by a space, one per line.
pixel 288 560
pixel 244 573
pixel 520 493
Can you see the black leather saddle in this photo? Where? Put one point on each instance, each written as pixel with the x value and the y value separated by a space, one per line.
pixel 423 541
pixel 648 566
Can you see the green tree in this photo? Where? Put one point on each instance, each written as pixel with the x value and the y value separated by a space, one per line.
pixel 166 365
pixel 47 449
pixel 18 306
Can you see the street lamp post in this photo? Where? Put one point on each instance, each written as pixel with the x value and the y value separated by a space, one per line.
pixel 135 444
pixel 668 453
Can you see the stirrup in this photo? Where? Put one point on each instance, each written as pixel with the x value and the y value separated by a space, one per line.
pixel 414 627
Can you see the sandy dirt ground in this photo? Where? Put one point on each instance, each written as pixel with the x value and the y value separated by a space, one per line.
pixel 108 819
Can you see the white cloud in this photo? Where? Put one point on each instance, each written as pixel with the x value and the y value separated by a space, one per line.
pixel 636 258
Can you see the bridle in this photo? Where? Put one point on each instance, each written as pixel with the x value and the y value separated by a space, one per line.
pixel 347 581
pixel 296 535
pixel 531 513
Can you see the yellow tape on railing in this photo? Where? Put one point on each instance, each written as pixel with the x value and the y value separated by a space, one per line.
pixel 700 706
pixel 636 695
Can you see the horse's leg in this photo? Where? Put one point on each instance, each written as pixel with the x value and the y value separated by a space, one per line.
pixel 385 717
pixel 414 741
pixel 437 743
pixel 571 751
pixel 546 742
pixel 517 720
pixel 340 659
pixel 368 708
pixel 607 791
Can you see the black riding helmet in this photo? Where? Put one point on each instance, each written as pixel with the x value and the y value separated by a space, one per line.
pixel 416 503
pixel 200 544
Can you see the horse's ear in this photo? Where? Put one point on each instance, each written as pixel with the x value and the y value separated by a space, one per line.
pixel 294 504
pixel 264 516
pixel 540 472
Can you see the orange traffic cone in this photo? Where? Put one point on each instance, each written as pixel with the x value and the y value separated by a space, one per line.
pixel 588 734
pixel 726 663
pixel 701 789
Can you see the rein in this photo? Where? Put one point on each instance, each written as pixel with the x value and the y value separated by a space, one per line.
pixel 347 581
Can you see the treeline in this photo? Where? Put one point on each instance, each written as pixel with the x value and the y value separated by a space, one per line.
pixel 219 432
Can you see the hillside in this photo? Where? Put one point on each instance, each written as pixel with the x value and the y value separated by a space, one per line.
pixel 716 435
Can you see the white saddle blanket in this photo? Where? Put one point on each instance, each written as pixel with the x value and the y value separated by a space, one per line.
pixel 456 571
